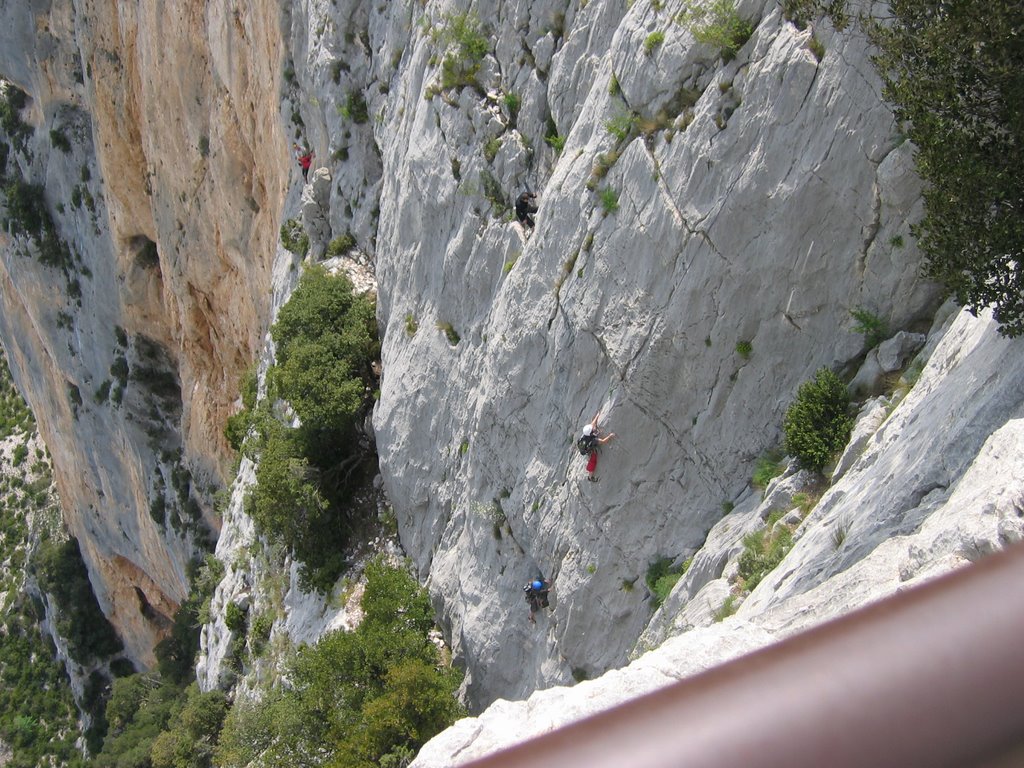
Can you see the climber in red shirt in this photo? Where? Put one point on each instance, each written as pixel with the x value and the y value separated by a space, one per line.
pixel 305 159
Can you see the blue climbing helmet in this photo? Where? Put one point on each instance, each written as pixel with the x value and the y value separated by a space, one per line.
pixel 538 585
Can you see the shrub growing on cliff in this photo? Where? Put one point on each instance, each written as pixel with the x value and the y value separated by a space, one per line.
pixel 177 651
pixel 874 328
pixel 326 339
pixel 360 698
pixel 354 107
pixel 717 23
pixel 12 101
pixel 26 208
pixel 609 199
pixel 652 41
pixel 763 550
pixel 239 423
pixel 817 424
pixel 952 71
pixel 662 577
pixel 463 36
pixel 286 502
pixel 294 237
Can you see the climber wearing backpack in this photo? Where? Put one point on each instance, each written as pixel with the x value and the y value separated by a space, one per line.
pixel 525 205
pixel 589 442
pixel 537 595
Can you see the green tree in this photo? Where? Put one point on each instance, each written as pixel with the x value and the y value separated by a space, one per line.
pixel 370 697
pixel 954 72
pixel 326 341
pixel 62 573
pixel 192 737
pixel 325 338
pixel 816 424
pixel 139 709
pixel 417 703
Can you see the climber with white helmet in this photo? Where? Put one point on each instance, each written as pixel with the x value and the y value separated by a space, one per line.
pixel 589 442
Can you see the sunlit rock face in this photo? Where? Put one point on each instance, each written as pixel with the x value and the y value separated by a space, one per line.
pixel 167 192
pixel 938 485
pixel 702 238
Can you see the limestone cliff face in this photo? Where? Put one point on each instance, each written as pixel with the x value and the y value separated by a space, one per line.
pixel 169 196
pixel 705 229
pixel 766 220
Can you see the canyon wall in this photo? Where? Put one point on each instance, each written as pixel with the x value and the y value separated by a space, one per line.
pixel 158 140
pixel 708 219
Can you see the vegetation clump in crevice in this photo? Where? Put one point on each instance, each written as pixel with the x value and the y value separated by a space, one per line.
pixel 763 550
pixel 662 576
pixel 466 44
pixel 294 237
pixel 817 424
pixel 874 328
pixel 326 341
pixel 718 24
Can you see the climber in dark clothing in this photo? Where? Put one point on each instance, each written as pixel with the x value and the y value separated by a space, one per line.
pixel 537 596
pixel 525 205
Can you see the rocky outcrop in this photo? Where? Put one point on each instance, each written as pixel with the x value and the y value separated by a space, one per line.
pixel 869 536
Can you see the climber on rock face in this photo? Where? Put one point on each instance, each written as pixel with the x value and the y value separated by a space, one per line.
pixel 589 442
pixel 537 596
pixel 304 158
pixel 525 205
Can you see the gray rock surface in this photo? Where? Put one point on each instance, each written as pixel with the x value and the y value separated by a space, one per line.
pixel 894 353
pixel 765 227
pixel 900 530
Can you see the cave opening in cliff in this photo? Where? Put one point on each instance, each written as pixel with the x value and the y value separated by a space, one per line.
pixel 149 613
pixel 145 252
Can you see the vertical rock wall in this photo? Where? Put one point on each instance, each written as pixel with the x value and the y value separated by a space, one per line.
pixel 169 197
pixel 705 229
pixel 758 201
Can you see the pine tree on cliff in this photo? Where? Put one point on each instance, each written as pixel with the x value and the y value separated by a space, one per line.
pixel 955 73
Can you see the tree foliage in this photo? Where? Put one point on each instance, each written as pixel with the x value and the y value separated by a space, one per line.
pixel 817 424
pixel 194 728
pixel 717 23
pixel 325 339
pixel 955 73
pixel 140 708
pixel 364 698
pixel 62 573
